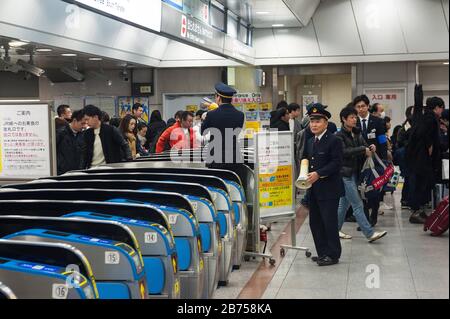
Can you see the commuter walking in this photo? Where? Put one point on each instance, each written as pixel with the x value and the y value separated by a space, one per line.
pixel 69 144
pixel 103 144
pixel 128 129
pixel 373 130
pixel 155 128
pixel 355 152
pixel 423 155
pixel 179 136
pixel 280 120
pixel 64 117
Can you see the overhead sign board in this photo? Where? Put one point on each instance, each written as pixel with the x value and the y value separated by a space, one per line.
pixel 143 13
pixel 191 30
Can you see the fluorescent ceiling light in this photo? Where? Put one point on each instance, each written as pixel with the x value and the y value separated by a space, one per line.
pixel 445 63
pixel 15 44
pixel 19 101
pixel 262 12
pixel 277 25
pixel 44 50
pixel 69 54
pixel 95 59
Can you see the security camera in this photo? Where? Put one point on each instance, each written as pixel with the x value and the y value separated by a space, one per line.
pixel 72 73
pixel 30 68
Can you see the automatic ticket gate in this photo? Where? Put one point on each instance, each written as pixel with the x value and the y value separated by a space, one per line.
pixel 198 196
pixel 235 187
pixel 220 196
pixel 116 266
pixel 153 232
pixel 30 270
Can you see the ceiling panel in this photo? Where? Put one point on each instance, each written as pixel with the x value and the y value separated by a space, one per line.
pixel 336 29
pixel 379 26
pixel 424 25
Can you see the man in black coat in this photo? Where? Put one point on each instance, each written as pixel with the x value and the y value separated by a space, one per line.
pixel 225 124
pixel 103 144
pixel 423 156
pixel 373 129
pixel 325 154
pixel 69 144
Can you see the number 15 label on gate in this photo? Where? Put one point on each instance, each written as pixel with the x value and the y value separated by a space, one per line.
pixel 112 258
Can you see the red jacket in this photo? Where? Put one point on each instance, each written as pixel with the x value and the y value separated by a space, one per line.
pixel 175 138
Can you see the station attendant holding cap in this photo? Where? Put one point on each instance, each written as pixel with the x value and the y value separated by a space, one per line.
pixel 325 154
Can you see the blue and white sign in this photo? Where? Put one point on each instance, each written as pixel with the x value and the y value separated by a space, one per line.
pixel 175 3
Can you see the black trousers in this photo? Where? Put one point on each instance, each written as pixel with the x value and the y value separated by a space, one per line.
pixel 373 205
pixel 323 220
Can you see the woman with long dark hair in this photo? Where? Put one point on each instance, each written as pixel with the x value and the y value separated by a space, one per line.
pixel 128 128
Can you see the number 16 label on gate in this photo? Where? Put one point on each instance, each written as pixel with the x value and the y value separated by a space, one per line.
pixel 112 258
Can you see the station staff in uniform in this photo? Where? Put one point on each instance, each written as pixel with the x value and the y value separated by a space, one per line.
pixel 225 120
pixel 325 154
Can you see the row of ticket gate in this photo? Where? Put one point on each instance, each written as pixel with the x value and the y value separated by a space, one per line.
pixel 145 230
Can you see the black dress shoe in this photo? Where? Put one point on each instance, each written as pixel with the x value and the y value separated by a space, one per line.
pixel 327 261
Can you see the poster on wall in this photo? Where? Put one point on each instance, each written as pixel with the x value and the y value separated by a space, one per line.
pixel 307 100
pixel 25 141
pixel 145 102
pixel 125 105
pixel 275 175
pixel 393 100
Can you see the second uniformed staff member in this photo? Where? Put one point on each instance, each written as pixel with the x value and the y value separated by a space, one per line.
pixel 226 120
pixel 325 154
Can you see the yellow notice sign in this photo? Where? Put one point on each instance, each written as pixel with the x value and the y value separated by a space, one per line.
pixel 251 107
pixel 265 107
pixel 251 128
pixel 275 190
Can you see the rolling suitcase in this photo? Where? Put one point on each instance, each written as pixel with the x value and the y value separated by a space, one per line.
pixel 437 222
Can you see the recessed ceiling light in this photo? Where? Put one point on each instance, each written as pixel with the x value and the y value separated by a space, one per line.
pixel 44 50
pixel 95 59
pixel 15 44
pixel 277 25
pixel 68 54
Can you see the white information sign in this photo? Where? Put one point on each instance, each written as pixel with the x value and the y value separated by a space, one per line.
pixel 146 13
pixel 25 141
pixel 274 173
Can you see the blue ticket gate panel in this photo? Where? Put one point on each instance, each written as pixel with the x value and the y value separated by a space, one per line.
pixel 117 267
pixel 95 190
pixel 44 271
pixel 220 196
